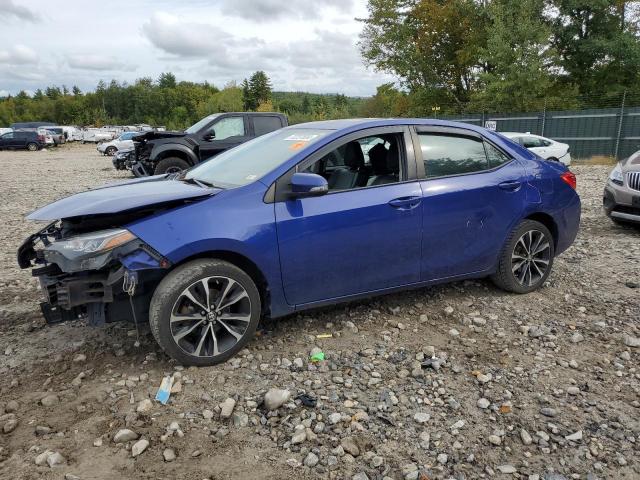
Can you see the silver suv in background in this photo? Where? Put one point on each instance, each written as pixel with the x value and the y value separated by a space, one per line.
pixel 621 198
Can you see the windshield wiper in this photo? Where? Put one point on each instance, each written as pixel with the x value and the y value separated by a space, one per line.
pixel 200 183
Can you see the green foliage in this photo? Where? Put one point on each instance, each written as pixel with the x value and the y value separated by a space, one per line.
pixel 256 91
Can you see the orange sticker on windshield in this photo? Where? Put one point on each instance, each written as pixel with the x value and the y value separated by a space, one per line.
pixel 297 145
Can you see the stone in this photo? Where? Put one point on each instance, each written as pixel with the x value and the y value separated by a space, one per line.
pixel 125 435
pixel 144 406
pixel 207 414
pixel 50 400
pixel 350 445
pixel 442 458
pixel 55 459
pixel 311 460
pixel 81 357
pixel 360 476
pixel 548 412
pixel 169 455
pixel 633 342
pixel 41 459
pixel 275 398
pixel 11 406
pixel 495 440
pixel 483 403
pixel 10 425
pixel 507 469
pixel 577 338
pixel 334 418
pixel 421 417
pixel 139 447
pixel 574 437
pixel 226 407
pixel 240 419
pixel 525 437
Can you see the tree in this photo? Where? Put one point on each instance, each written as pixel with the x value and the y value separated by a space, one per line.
pixel 256 90
pixel 598 45
pixel 517 56
pixel 76 91
pixel 167 80
pixel 427 44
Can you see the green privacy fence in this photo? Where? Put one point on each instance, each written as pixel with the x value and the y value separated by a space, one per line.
pixel 611 132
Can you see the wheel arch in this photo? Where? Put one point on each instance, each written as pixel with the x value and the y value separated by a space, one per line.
pixel 245 264
pixel 174 150
pixel 548 221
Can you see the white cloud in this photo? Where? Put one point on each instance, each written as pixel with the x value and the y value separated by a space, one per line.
pixel 266 10
pixel 18 55
pixel 98 62
pixel 9 10
pixel 4 93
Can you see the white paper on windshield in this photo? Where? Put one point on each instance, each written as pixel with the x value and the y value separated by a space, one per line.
pixel 297 137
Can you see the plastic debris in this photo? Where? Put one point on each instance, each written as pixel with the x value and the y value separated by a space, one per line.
pixel 325 335
pixel 307 400
pixel 317 357
pixel 165 390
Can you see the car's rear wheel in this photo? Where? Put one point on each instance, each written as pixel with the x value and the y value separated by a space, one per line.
pixel 171 165
pixel 110 151
pixel 32 147
pixel 204 312
pixel 526 259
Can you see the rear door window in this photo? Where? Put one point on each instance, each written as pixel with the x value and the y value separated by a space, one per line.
pixel 264 124
pixel 531 142
pixel 446 155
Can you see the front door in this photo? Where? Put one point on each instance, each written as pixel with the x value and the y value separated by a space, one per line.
pixel 473 196
pixel 223 134
pixel 365 234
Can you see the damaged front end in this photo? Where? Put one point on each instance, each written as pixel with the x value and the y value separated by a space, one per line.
pixel 92 274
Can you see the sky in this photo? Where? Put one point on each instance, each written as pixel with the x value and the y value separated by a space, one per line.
pixel 302 45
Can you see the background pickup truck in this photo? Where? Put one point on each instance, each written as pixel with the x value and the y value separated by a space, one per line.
pixel 157 153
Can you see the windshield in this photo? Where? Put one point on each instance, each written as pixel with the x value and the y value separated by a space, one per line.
pixel 251 160
pixel 202 123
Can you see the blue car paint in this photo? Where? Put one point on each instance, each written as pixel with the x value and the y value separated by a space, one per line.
pixel 311 254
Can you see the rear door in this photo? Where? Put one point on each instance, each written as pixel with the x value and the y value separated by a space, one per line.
pixel 473 196
pixel 262 124
pixel 355 239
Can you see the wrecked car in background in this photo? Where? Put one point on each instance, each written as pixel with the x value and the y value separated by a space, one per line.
pixel 157 153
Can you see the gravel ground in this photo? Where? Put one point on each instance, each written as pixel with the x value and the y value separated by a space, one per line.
pixel 460 381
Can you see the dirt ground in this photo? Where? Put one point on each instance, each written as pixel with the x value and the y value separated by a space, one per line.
pixel 542 386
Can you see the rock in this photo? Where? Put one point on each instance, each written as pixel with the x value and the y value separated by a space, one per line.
pixel 125 435
pixel 360 476
pixel 207 414
pixel 538 331
pixel 573 390
pixel 495 440
pixel 139 447
pixel 42 430
pixel 482 378
pixel 144 406
pixel 275 398
pixel 525 437
pixel 11 406
pixel 507 469
pixel 81 357
pixel 311 460
pixel 574 437
pixel 410 471
pixel 10 425
pixel 442 458
pixel 240 419
pixel 548 412
pixel 577 338
pixel 226 407
pixel 41 459
pixel 454 333
pixel 97 442
pixel 421 417
pixel 350 445
pixel 71 476
pixel 55 459
pixel 299 436
pixel 633 342
pixel 50 400
pixel 169 455
pixel 334 418
pixel 298 363
pixel 483 403
pixel 458 425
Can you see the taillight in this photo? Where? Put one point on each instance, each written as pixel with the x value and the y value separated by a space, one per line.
pixel 569 178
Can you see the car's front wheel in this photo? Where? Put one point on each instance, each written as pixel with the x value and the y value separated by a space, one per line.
pixel 170 165
pixel 526 259
pixel 110 151
pixel 204 312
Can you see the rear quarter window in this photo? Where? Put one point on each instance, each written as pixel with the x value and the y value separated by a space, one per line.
pixel 265 124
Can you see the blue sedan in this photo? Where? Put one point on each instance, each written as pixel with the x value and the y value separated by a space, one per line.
pixel 309 215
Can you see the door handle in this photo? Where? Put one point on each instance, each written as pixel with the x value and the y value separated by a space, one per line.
pixel 405 203
pixel 511 185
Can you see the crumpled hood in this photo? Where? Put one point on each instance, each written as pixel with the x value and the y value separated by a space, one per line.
pixel 120 197
pixel 154 135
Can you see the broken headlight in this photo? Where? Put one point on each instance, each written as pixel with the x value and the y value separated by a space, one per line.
pixel 94 242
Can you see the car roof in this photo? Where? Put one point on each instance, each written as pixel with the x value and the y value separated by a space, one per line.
pixel 362 123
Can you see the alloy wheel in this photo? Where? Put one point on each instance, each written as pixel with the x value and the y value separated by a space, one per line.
pixel 210 316
pixel 530 258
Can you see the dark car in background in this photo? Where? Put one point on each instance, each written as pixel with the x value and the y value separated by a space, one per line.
pixel 31 140
pixel 170 152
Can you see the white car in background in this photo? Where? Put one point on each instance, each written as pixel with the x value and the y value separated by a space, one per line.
pixel 123 142
pixel 541 146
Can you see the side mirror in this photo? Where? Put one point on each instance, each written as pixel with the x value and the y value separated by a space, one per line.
pixel 308 185
pixel 210 135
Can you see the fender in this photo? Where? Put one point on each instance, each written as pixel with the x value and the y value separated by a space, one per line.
pixel 176 147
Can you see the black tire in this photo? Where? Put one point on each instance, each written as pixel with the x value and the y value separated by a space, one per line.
pixel 508 276
pixel 553 159
pixel 169 298
pixel 171 165
pixel 32 147
pixel 110 151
